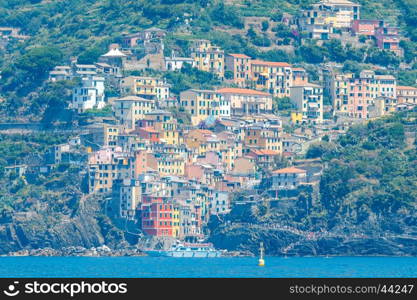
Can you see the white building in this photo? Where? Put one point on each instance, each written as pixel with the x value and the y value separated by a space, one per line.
pixel 127 196
pixel 288 178
pixel 309 101
pixel 176 63
pixel 220 203
pixel 89 95
pixel 60 73
pixel 128 110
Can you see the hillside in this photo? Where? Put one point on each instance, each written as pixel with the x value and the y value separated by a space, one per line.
pixel 367 200
pixel 59 30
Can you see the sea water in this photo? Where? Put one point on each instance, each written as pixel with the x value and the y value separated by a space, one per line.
pixel 229 267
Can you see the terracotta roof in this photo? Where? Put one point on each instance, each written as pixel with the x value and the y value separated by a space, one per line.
pixel 264 152
pixel 299 69
pixel 241 91
pixel 289 170
pixel 239 55
pixel 406 88
pixel 148 129
pixel 270 63
pixel 133 98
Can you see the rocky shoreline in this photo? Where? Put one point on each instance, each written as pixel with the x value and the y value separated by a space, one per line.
pixel 102 251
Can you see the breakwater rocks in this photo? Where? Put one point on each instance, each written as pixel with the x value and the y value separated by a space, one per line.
pixel 79 251
pixel 288 242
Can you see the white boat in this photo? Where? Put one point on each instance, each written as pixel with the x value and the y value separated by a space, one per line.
pixel 188 250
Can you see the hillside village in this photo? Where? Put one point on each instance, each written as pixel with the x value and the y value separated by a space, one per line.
pixel 168 161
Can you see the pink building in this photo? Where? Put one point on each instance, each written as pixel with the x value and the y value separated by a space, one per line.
pixel 387 38
pixel 366 27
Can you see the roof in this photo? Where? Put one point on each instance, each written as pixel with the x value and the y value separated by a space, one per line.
pixel 58 73
pixel 104 65
pixel 264 152
pixel 154 29
pixel 307 85
pixel 270 63
pixel 86 66
pixel 298 69
pixel 242 91
pixel 289 170
pixel 385 77
pixel 201 91
pixel 340 2
pixel 148 129
pixel 239 55
pixel 229 123
pixel 402 87
pixel 133 98
pixel 114 53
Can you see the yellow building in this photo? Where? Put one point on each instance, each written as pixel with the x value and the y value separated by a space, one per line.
pixel 257 137
pixel 105 166
pixel 171 166
pixel 203 104
pixel 407 94
pixel 208 57
pixel 296 118
pixel 202 141
pixel 239 64
pixel 166 125
pixel 146 87
pixel 176 222
pixel 129 109
pixel 274 77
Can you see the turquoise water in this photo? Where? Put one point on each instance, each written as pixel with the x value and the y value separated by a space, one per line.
pixel 138 267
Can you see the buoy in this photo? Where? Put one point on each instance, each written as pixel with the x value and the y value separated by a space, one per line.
pixel 261 262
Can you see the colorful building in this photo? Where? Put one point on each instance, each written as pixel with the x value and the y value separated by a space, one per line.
pixel 288 179
pixel 130 109
pixel 308 99
pixel 351 95
pixel 272 77
pixel 160 216
pixel 207 57
pixel 388 38
pixel 204 104
pixel 146 87
pixel 240 66
pixel 407 94
pixel 366 27
pixel 246 101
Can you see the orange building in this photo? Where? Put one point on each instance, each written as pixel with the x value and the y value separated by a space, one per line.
pixel 240 65
pixel 407 94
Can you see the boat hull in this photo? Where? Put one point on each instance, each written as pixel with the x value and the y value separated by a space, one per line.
pixel 190 254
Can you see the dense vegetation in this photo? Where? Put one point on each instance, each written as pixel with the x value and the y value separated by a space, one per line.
pixel 371 176
pixel 84 28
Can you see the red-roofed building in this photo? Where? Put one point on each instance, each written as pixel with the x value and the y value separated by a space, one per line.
pixel 407 94
pixel 160 216
pixel 148 133
pixel 288 178
pixel 274 77
pixel 264 158
pixel 240 66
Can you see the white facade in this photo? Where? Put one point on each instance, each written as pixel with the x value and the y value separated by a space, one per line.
pixel 129 109
pixel 288 178
pixel 220 203
pixel 176 63
pixel 129 198
pixel 309 101
pixel 89 95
